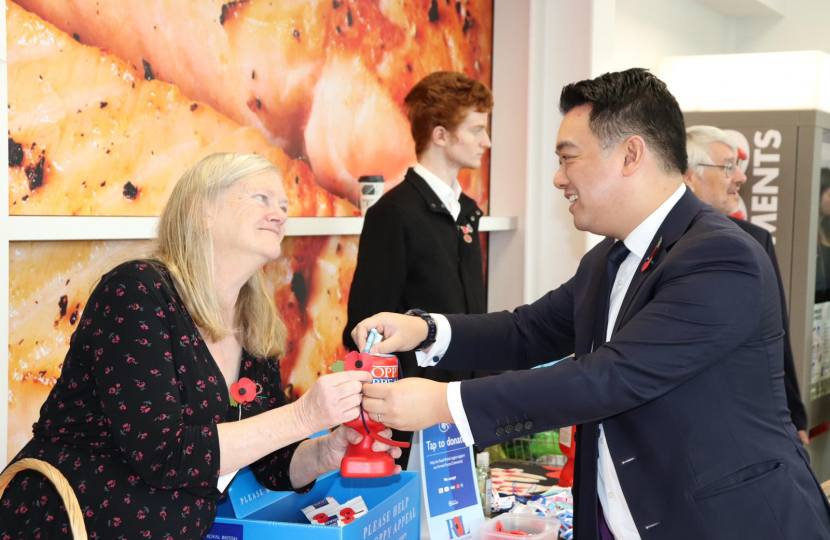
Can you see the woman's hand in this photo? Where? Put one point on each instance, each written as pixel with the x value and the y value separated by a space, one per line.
pixel 410 404
pixel 333 446
pixel 333 400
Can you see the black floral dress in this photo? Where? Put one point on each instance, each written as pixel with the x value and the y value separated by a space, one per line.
pixel 131 423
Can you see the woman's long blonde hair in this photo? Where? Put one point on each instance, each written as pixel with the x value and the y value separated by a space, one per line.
pixel 184 245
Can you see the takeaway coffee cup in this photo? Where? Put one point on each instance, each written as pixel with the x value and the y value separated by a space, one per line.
pixel 371 188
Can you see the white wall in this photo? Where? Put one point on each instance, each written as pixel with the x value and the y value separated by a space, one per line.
pixel 561 54
pixel 647 30
pixel 508 157
pixel 539 46
pixel 805 26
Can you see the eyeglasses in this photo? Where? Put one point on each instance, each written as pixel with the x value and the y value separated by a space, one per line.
pixel 728 169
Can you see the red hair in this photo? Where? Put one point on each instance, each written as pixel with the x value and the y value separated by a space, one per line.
pixel 443 99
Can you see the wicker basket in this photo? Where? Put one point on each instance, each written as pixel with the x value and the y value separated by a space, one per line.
pixel 70 501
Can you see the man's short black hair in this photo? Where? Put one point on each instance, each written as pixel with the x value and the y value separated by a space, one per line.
pixel 632 102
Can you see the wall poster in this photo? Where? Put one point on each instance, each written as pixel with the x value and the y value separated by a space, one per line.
pixel 111 100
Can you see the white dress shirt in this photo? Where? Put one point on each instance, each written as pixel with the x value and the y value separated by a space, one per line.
pixel 611 497
pixel 449 195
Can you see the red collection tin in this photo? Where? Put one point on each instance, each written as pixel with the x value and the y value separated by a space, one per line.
pixel 360 461
pixel 384 368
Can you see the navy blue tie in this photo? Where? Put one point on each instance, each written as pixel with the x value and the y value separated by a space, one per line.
pixel 616 256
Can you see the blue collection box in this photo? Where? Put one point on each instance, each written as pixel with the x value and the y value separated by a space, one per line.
pixel 252 512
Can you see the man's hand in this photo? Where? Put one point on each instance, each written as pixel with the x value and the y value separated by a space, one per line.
pixel 400 332
pixel 409 404
pixel 802 435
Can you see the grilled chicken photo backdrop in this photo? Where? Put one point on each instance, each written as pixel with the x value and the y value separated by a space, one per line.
pixel 111 100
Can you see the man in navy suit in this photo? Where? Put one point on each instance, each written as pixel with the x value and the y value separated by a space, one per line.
pixel 683 430
pixel 715 176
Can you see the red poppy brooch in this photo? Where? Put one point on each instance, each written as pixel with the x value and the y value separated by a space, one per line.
pixel 468 231
pixel 650 260
pixel 356 361
pixel 244 392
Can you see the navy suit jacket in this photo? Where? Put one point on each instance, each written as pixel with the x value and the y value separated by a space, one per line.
pixel 690 394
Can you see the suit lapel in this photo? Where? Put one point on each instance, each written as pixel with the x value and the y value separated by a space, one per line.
pixel 670 231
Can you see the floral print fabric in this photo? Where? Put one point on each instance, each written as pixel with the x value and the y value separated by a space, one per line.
pixel 131 423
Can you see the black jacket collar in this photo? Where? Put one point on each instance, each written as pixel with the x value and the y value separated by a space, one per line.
pixel 433 202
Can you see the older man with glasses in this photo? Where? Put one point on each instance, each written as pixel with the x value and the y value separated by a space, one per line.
pixel 714 173
pixel 716 177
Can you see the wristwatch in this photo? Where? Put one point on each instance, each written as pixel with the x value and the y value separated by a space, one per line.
pixel 431 328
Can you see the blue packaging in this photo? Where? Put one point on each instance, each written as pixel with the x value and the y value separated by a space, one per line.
pixel 252 512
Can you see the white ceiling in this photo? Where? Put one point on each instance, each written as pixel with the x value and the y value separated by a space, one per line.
pixel 746 8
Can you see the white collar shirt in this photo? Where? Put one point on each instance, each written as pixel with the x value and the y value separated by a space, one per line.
pixel 449 195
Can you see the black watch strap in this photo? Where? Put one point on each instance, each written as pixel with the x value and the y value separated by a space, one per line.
pixel 431 328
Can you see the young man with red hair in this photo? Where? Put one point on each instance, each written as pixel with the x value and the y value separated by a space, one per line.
pixel 420 243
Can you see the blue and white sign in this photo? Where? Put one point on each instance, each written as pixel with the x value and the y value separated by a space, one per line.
pixel 452 508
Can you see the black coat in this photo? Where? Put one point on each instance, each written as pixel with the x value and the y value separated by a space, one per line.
pixel 797 412
pixel 413 254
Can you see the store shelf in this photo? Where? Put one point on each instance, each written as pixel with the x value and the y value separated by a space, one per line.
pixel 42 228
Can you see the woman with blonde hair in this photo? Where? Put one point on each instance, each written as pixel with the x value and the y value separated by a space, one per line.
pixel 141 421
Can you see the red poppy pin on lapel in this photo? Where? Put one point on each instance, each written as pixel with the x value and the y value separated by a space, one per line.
pixel 648 262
